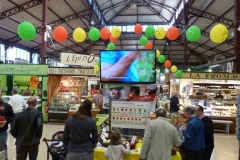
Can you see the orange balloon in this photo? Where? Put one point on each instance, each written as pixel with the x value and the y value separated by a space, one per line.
pixel 172 33
pixel 113 39
pixel 138 28
pixel 167 63
pixel 60 34
pixel 149 45
pixel 105 33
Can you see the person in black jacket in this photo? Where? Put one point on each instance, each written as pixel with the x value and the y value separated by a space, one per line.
pixel 208 133
pixel 174 103
pixel 6 113
pixel 27 128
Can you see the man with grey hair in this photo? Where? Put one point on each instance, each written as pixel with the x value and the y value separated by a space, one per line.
pixel 98 100
pixel 194 135
pixel 17 102
pixel 159 138
pixel 27 128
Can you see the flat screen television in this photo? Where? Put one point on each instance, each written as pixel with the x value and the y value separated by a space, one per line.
pixel 127 66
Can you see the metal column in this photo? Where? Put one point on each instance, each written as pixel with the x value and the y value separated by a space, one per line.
pixel 44 30
pixel 236 36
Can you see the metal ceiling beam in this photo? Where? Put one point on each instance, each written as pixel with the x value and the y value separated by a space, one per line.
pixel 209 48
pixel 100 22
pixel 20 8
pixel 122 3
pixel 55 23
pixel 196 12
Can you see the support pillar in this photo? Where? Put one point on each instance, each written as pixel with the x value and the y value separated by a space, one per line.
pixel 236 67
pixel 44 30
pixel 31 57
pixel 185 28
pixel 5 51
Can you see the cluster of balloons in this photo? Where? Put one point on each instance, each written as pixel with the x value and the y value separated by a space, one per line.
pixel 159 33
pixel 97 66
pixel 168 64
pixel 218 34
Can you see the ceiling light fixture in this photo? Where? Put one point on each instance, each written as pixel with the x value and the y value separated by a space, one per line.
pixel 215 65
pixel 92 22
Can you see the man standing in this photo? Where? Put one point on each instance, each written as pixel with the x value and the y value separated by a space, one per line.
pixel 174 103
pixel 98 100
pixel 27 129
pixel 7 112
pixel 194 135
pixel 159 138
pixel 17 102
pixel 208 132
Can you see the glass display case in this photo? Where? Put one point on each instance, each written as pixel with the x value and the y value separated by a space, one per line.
pixel 59 105
pixel 39 100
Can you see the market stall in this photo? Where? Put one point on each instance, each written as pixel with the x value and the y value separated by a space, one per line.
pixel 68 87
pixel 30 80
pixel 216 92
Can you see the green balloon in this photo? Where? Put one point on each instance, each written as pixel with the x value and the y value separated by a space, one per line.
pixel 26 31
pixel 94 34
pixel 161 59
pixel 143 40
pixel 111 46
pixel 98 63
pixel 150 31
pixel 179 74
pixel 193 33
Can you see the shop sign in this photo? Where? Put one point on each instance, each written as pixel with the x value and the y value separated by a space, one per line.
pixel 219 76
pixel 72 71
pixel 78 59
pixel 23 69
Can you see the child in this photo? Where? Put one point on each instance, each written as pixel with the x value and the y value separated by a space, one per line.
pixel 57 145
pixel 115 150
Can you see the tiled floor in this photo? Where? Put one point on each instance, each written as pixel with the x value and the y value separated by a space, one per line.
pixel 226 146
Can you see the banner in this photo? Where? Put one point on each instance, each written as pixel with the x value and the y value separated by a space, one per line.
pixel 127 92
pixel 78 59
pixel 24 69
pixel 71 71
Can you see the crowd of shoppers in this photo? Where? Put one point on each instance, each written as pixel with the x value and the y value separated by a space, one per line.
pixel 80 132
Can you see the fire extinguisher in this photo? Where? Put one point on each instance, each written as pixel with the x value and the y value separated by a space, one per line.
pixel 46 107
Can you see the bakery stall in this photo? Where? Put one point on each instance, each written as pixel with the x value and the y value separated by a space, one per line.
pixel 216 92
pixel 68 87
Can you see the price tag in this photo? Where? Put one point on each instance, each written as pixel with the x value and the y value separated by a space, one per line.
pixel 103 138
pixel 104 130
pixel 133 139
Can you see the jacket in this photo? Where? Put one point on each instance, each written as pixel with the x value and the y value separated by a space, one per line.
pixel 6 111
pixel 80 135
pixel 194 134
pixel 208 132
pixel 173 104
pixel 27 127
pixel 158 140
pixel 115 152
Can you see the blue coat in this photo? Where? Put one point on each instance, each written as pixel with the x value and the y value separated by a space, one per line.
pixel 194 134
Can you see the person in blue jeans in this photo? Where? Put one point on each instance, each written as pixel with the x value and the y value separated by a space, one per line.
pixel 119 66
pixel 7 112
pixel 193 135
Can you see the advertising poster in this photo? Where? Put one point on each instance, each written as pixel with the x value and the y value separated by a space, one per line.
pixel 128 92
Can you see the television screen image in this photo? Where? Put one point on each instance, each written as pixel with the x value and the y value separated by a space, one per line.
pixel 122 66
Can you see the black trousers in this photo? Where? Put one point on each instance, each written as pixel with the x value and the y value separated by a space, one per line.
pixel 194 155
pixel 207 153
pixel 23 151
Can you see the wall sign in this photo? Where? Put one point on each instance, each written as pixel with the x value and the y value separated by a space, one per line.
pixel 219 76
pixel 71 71
pixel 78 59
pixel 23 69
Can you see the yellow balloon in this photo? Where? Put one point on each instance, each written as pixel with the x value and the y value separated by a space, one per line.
pixel 116 32
pixel 218 33
pixel 174 68
pixel 96 68
pixel 160 33
pixel 157 53
pixel 79 35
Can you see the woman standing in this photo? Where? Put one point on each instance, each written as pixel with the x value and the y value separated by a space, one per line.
pixel 80 133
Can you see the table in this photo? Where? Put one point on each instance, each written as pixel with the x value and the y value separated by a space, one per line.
pixel 99 154
pixel 227 123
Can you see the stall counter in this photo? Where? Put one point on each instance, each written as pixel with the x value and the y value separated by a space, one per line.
pixel 99 154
